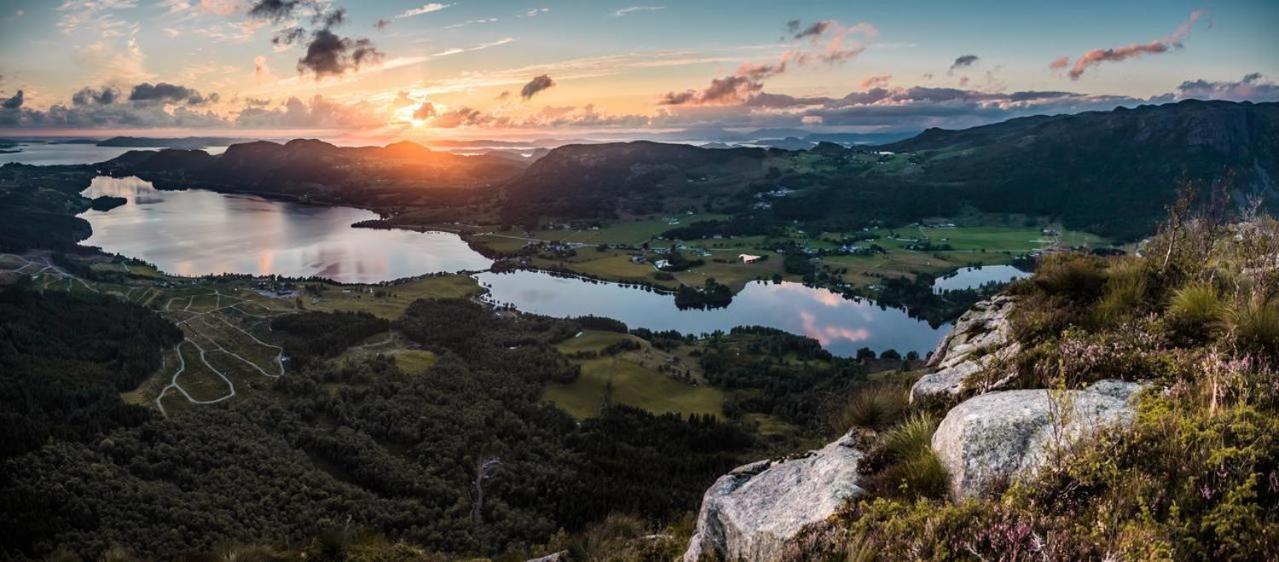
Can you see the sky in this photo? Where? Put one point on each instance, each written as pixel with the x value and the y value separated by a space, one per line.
pixel 401 69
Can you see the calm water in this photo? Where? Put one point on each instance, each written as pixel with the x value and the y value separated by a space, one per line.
pixel 46 154
pixel 198 232
pixel 842 326
pixel 973 277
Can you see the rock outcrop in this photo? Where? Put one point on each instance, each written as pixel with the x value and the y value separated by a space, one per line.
pixel 980 340
pixel 750 513
pixel 1000 437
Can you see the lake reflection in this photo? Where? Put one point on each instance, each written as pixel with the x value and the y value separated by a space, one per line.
pixel 841 325
pixel 973 277
pixel 199 232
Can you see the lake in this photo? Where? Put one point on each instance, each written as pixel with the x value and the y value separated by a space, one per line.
pixel 197 232
pixel 840 325
pixel 973 277
pixel 47 154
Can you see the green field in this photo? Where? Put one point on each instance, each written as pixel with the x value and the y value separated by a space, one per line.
pixel 592 341
pixel 633 385
pixel 969 245
pixel 634 378
pixel 400 295
pixel 414 361
pixel 635 232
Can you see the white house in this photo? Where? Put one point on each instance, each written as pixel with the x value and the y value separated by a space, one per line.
pixel 747 258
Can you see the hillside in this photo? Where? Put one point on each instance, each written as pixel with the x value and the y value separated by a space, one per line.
pixel 1113 173
pixel 1104 171
pixel 599 180
pixel 1119 408
pixel 397 174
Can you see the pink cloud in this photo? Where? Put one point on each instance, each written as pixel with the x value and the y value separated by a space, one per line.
pixel 828 42
pixel 876 81
pixel 1095 57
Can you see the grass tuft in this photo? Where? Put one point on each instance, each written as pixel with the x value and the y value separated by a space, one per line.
pixel 1196 309
pixel 873 407
pixel 1256 326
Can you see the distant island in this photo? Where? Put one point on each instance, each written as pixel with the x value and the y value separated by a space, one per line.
pixel 107 202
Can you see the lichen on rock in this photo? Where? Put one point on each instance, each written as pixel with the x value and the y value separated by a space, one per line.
pixel 1001 437
pixel 751 512
pixel 979 342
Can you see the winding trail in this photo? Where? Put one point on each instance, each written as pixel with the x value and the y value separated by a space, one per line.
pixel 41 266
pixel 182 365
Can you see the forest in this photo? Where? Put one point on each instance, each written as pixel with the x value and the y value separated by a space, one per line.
pixel 464 459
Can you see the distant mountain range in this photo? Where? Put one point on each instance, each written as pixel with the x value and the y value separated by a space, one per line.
pixel 1113 173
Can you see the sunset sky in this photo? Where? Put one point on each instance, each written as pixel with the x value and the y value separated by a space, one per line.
pixel 471 68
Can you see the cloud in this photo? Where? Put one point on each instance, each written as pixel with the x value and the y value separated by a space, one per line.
pixel 14 102
pixel 288 36
pixel 425 9
pixel 633 9
pixel 1252 87
pixel 319 113
pixel 505 94
pixel 162 92
pixel 814 30
pixel 537 84
pixel 963 61
pixel 1095 57
pixel 461 117
pixel 327 53
pixel 876 81
pixel 331 55
pixel 829 42
pixel 261 71
pixel 89 96
pixel 424 111
pixel 160 105
pixel 535 12
pixel 273 10
pixel 382 24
